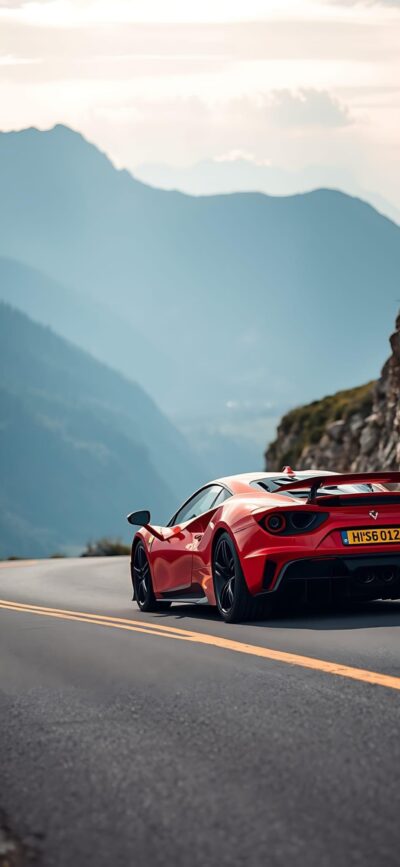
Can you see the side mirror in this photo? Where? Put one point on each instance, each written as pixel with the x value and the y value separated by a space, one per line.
pixel 139 519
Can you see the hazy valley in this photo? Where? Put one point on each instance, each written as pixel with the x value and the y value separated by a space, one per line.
pixel 209 306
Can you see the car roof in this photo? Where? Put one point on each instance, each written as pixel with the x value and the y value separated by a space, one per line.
pixel 242 481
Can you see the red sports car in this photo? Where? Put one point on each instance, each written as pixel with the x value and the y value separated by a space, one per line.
pixel 243 541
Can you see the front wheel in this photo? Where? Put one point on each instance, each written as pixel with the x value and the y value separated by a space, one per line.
pixel 234 601
pixel 143 585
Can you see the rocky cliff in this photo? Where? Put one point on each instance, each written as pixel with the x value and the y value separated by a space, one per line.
pixel 357 430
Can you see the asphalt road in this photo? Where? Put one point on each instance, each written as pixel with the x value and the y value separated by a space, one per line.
pixel 172 745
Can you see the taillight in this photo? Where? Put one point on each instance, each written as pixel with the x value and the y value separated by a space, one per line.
pixel 293 523
pixel 275 522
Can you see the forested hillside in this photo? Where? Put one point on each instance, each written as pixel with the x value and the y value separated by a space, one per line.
pixel 80 445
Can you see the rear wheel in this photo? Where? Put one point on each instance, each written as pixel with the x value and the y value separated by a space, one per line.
pixel 144 593
pixel 234 601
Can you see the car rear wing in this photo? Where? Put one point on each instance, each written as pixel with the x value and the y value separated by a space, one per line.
pixel 314 483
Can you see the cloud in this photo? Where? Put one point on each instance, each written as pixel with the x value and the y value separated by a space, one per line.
pixel 11 60
pixel 18 4
pixel 237 154
pixel 307 108
pixel 393 3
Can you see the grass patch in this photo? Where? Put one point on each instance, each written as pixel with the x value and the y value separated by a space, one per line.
pixel 308 423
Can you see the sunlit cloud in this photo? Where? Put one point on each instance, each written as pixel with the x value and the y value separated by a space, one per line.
pixel 11 5
pixel 83 12
pixel 281 82
pixel 11 60
pixel 236 154
pixel 392 3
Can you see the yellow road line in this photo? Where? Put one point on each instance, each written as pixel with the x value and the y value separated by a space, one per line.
pixel 10 564
pixel 84 614
pixel 360 674
pixel 77 618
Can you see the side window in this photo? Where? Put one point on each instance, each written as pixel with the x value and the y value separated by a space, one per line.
pixel 200 503
pixel 188 509
pixel 222 496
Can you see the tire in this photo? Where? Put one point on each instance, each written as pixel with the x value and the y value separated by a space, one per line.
pixel 143 584
pixel 234 601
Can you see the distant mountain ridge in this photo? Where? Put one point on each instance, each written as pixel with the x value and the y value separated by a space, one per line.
pixel 246 294
pixel 238 173
pixel 80 445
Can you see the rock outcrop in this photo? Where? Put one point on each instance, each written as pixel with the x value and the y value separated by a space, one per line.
pixel 356 430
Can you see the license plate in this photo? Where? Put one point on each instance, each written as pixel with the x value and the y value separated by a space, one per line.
pixel 378 536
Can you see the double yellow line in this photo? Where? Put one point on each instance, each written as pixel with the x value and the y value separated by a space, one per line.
pixel 163 631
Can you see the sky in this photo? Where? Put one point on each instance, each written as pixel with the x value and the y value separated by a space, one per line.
pixel 283 84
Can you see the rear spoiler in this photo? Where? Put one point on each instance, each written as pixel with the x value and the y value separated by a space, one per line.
pixel 316 482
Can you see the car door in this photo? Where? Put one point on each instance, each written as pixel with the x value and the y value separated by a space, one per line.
pixel 172 560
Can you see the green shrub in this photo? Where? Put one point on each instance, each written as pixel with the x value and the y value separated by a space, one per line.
pixel 307 424
pixel 106 548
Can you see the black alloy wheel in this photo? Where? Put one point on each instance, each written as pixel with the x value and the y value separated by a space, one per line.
pixel 144 593
pixel 234 601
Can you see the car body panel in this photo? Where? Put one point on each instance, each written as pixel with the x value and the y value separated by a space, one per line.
pixel 171 562
pixel 181 564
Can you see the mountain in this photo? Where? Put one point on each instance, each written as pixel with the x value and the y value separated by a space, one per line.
pixel 311 436
pixel 80 445
pixel 236 172
pixel 250 297
pixel 356 430
pixel 102 331
pixel 89 323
